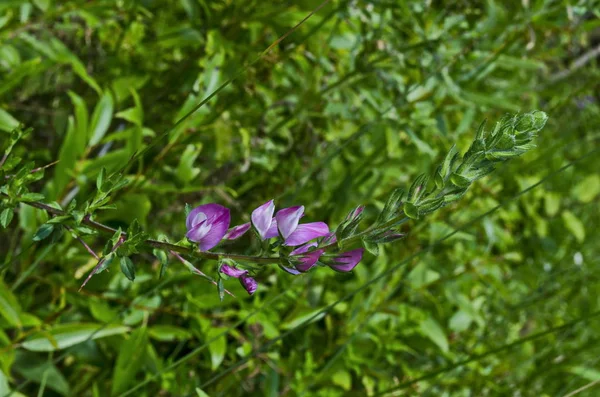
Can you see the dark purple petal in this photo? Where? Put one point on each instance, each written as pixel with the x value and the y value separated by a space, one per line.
pixel 261 218
pixel 232 271
pixel 273 231
pixel 237 231
pixel 218 230
pixel 347 261
pixel 308 260
pixel 306 232
pixel 249 284
pixel 287 220
pixel 202 212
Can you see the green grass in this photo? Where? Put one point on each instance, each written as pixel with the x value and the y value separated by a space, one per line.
pixel 329 105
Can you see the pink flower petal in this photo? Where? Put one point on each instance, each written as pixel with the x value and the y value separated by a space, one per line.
pixel 237 231
pixel 273 231
pixel 290 270
pixel 202 212
pixel 347 261
pixel 218 230
pixel 261 218
pixel 287 219
pixel 306 232
pixel 197 233
pixel 232 271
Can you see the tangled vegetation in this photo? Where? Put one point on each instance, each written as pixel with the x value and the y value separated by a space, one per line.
pixel 444 157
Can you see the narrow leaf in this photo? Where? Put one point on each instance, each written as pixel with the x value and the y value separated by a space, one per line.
pixel 101 119
pixel 6 216
pixel 128 268
pixel 44 231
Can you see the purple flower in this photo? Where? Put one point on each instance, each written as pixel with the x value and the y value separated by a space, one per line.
pixel 286 221
pixel 305 259
pixel 306 232
pixel 232 271
pixel 237 231
pixel 262 217
pixel 273 231
pixel 249 284
pixel 347 261
pixel 207 225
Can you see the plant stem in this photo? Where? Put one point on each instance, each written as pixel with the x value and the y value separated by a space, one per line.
pixel 197 271
pixel 87 247
pixel 159 244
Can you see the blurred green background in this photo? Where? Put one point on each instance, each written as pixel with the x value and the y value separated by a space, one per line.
pixel 358 100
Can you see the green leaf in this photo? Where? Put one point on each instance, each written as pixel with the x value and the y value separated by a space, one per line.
pixel 449 161
pixel 168 333
pixel 30 367
pixel 4 389
pixel 308 317
pixel 30 197
pixel 44 231
pixel 342 379
pixel 71 150
pixel 217 347
pixel 7 122
pixel 391 206
pixel 587 190
pixel 163 259
pixel 411 210
pixel 67 335
pixel 460 321
pixel 421 275
pixel 128 268
pixel 201 393
pixel 129 361
pixel 432 329
pixel 102 311
pixel 186 171
pixel 9 306
pixel 6 216
pixel 100 179
pixel 460 180
pixel 574 225
pixel 81 122
pixel 590 374
pixel 373 248
pixel 135 114
pixel 101 119
pixel 418 187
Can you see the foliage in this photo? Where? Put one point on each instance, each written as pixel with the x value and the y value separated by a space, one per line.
pixel 151 105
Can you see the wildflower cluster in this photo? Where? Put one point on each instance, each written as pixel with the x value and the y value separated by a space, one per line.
pixel 297 242
pixel 296 247
pixel 302 246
